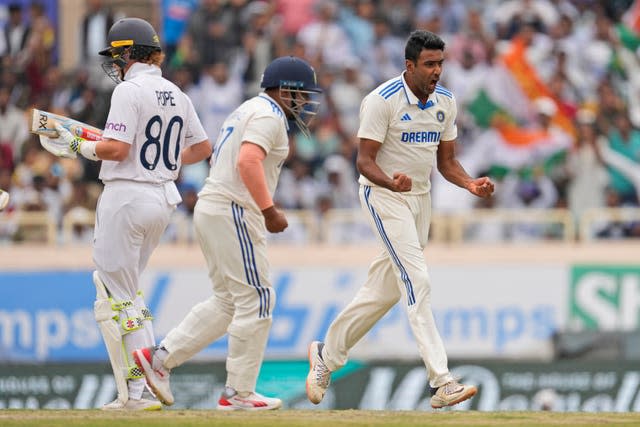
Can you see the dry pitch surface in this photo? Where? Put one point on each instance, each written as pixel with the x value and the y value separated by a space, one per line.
pixel 298 418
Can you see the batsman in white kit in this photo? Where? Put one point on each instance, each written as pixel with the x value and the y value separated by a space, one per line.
pixel 234 210
pixel 152 129
pixel 405 124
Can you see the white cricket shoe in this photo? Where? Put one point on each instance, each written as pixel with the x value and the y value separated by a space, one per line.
pixel 157 376
pixel 230 400
pixel 452 393
pixel 319 374
pixel 133 405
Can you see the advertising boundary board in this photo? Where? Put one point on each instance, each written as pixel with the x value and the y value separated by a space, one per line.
pixel 571 386
pixel 48 315
pixel 489 302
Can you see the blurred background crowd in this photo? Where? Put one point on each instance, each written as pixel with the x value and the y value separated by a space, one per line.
pixel 548 95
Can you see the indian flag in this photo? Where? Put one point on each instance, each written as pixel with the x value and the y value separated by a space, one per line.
pixel 505 145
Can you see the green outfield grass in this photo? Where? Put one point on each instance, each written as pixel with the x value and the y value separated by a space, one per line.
pixel 296 418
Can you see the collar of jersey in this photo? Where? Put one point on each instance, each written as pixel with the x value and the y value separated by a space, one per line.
pixel 140 68
pixel 266 97
pixel 412 99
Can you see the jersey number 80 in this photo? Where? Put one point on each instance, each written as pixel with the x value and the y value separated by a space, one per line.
pixel 161 144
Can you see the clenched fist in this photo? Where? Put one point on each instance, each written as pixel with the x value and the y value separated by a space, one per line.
pixel 274 220
pixel 401 182
pixel 481 187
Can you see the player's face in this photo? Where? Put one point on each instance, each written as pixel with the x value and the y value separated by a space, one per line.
pixel 294 102
pixel 425 73
pixel 300 105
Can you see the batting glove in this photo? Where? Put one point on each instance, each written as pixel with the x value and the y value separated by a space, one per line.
pixel 76 144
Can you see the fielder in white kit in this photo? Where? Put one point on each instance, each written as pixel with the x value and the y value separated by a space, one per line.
pixel 152 129
pixel 234 210
pixel 405 123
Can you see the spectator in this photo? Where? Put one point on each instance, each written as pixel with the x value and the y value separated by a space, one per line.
pixel 624 140
pixel 209 28
pixel 96 22
pixel 261 41
pixel 346 92
pixel 13 132
pixel 577 48
pixel 217 94
pixel 175 18
pixel 37 55
pixel 15 35
pixel 324 40
pixel 387 58
pixel 295 15
pixel 587 173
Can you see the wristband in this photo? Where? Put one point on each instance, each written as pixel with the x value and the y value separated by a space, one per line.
pixel 88 150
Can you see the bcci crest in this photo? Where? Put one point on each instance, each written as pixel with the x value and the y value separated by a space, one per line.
pixel 440 116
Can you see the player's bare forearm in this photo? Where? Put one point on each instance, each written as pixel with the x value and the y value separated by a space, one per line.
pixel 455 173
pixel 370 170
pixel 112 149
pixel 196 153
pixel 452 171
pixel 367 166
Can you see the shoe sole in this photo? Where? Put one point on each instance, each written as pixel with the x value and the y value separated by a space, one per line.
pixel 259 408
pixel 144 365
pixel 468 395
pixel 310 370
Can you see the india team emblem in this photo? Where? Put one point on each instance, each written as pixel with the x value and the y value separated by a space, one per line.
pixel 440 116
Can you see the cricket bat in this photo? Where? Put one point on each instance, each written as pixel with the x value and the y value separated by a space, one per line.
pixel 42 123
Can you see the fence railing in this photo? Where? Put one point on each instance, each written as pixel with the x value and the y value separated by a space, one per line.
pixel 351 226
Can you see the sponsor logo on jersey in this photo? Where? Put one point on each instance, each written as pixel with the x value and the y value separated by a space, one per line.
pixel 420 137
pixel 405 118
pixel 118 127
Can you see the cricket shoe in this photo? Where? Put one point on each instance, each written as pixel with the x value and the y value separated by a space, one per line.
pixel 157 376
pixel 133 405
pixel 319 375
pixel 230 400
pixel 452 393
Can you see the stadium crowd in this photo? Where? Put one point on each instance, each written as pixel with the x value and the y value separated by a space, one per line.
pixel 548 93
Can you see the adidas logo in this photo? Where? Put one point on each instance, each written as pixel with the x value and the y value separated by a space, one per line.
pixel 405 118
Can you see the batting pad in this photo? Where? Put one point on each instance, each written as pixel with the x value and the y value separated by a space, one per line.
pixel 113 325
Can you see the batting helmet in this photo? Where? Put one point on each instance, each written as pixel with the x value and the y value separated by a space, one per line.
pixel 297 82
pixel 290 72
pixel 129 39
pixel 132 32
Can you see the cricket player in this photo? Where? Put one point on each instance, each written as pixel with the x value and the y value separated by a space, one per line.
pixel 152 129
pixel 234 211
pixel 405 124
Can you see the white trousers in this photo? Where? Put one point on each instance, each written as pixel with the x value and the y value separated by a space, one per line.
pixel 399 272
pixel 130 221
pixel 233 241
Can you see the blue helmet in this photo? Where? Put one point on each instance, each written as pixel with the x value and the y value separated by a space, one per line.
pixel 297 83
pixel 290 72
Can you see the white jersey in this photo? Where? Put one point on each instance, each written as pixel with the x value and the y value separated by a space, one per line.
pixel 157 119
pixel 408 130
pixel 260 121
